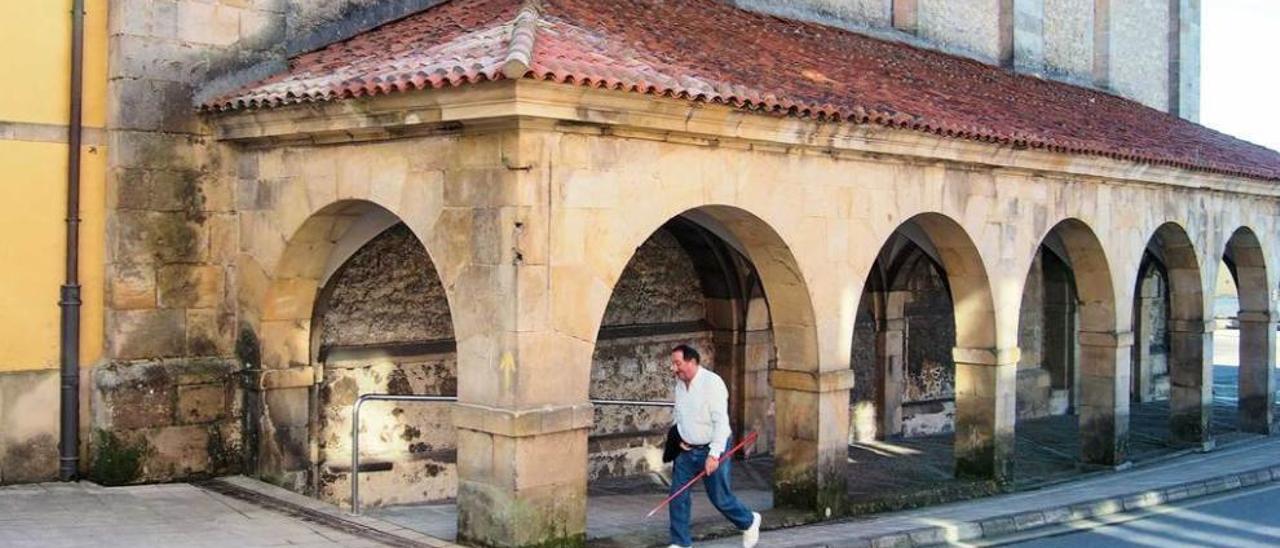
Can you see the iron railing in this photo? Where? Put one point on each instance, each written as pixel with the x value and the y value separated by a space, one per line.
pixel 355 427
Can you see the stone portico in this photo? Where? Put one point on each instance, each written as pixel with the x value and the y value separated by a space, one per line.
pixel 531 197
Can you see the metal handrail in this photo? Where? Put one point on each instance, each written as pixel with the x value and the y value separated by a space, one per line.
pixel 355 427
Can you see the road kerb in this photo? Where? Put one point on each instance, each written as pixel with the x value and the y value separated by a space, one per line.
pixel 1021 522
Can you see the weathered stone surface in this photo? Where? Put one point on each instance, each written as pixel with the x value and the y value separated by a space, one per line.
pixel 210 332
pixel 183 286
pixel 164 420
pixel 133 287
pixel 134 396
pixel 387 292
pixel 201 403
pixel 140 334
pixel 28 430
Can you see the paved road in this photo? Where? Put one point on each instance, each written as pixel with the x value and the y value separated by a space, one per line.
pixel 1242 518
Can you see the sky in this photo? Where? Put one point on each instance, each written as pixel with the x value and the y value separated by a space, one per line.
pixel 1240 69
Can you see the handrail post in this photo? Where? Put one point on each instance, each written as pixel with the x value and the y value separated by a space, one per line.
pixel 355 455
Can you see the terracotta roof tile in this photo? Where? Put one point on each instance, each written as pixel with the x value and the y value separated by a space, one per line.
pixel 706 50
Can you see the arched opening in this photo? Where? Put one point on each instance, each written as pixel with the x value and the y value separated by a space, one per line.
pixel 1169 319
pixel 1072 359
pixel 685 284
pixel 1244 340
pixel 354 306
pixel 384 328
pixel 922 410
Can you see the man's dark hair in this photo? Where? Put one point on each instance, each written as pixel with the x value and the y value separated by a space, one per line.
pixel 687 352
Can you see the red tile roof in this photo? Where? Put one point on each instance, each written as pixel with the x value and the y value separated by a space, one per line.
pixel 706 50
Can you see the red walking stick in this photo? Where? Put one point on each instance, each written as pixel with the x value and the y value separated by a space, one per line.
pixel 751 438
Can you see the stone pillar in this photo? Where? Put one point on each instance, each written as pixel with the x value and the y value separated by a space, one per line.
pixel 1190 381
pixel 891 352
pixel 522 477
pixel 1257 372
pixel 525 333
pixel 1104 405
pixel 986 387
pixel 812 419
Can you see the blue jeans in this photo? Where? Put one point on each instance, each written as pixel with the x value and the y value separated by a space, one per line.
pixel 685 467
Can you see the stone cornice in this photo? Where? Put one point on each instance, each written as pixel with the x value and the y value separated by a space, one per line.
pixel 559 107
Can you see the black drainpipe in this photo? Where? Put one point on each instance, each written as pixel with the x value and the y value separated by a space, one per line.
pixel 69 445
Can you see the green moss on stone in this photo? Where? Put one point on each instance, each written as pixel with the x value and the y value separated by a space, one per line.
pixel 116 462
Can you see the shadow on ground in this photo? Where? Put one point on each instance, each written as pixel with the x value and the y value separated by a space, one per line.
pixel 882 476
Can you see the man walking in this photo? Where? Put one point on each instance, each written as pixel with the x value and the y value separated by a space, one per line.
pixel 702 421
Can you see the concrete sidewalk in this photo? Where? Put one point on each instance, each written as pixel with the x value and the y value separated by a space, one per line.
pixel 58 515
pixel 1192 476
pixel 241 512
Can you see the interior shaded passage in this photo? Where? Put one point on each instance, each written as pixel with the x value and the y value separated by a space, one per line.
pixel 1172 256
pixel 383 327
pixel 683 285
pixel 1245 325
pixel 903 338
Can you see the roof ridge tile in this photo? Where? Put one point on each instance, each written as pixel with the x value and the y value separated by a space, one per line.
pixel 524 31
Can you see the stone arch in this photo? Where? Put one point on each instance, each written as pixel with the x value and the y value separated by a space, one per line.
pixel 1244 257
pixel 912 385
pixel 282 405
pixel 1189 336
pixel 683 285
pixel 983 413
pixel 1102 369
pixel 802 463
pixel 1150 358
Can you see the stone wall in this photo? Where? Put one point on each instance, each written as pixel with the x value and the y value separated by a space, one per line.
pixel 385 328
pixel 172 234
pixel 408 450
pixel 1068 39
pixel 1034 389
pixel 165 421
pixel 1139 58
pixel 918 323
pixel 864 415
pixel 1152 377
pixel 660 287
pixel 973 27
pixel 929 372
pixel 28 440
pixel 387 292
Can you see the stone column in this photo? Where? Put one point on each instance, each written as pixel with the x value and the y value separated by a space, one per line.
pixel 891 352
pixel 525 332
pixel 1257 372
pixel 986 387
pixel 1190 381
pixel 1104 405
pixel 812 419
pixel 522 474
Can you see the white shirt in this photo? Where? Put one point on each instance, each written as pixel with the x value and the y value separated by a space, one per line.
pixel 702 411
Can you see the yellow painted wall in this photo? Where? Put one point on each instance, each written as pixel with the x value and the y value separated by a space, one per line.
pixel 33 191
pixel 35 59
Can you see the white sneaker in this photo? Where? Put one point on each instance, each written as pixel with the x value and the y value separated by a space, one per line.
pixel 675 546
pixel 752 535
